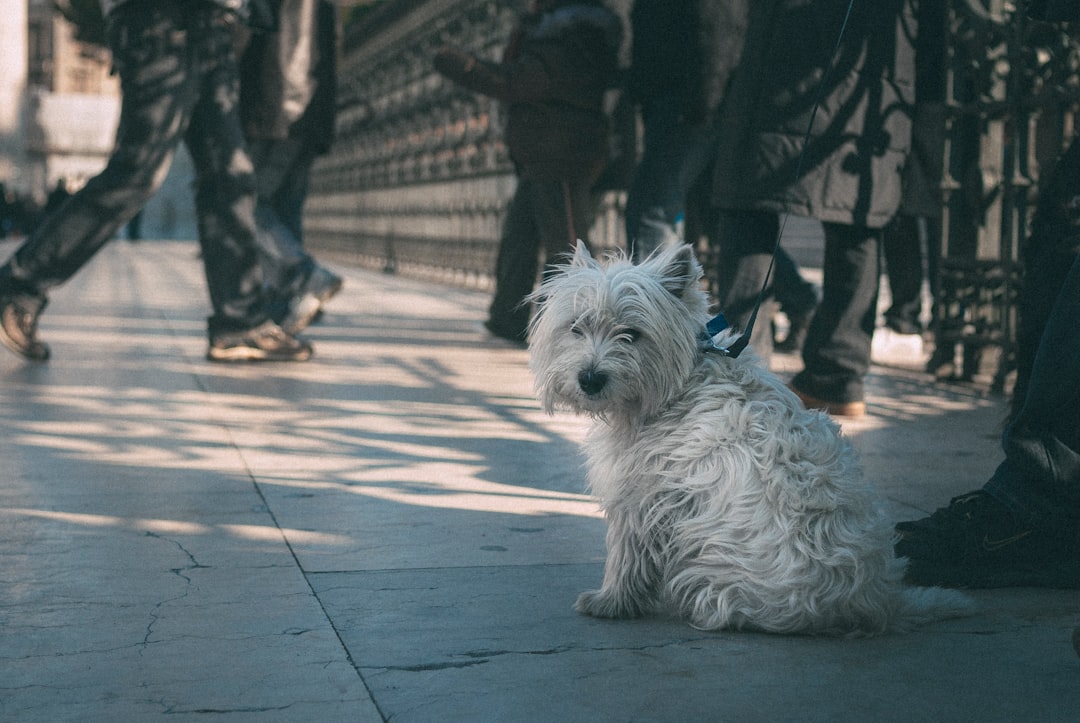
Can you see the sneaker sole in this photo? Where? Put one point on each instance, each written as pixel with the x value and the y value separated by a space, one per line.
pixel 249 354
pixel 301 317
pixel 15 348
pixel 852 410
pixel 330 291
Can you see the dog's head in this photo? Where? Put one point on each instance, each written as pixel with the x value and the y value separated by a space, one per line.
pixel 617 339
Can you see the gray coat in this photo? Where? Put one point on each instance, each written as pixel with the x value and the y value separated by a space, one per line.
pixel 288 78
pixel 850 169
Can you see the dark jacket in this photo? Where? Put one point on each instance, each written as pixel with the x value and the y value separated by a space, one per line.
pixel 685 50
pixel 289 85
pixel 556 69
pixel 851 169
pixel 256 13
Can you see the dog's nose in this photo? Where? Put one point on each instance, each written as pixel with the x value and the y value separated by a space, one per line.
pixel 591 381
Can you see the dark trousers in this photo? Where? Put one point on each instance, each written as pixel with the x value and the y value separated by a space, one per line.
pixel 179 81
pixel 836 353
pixel 746 240
pixel 1040 477
pixel 675 156
pixel 545 216
pixel 282 168
pixel 907 241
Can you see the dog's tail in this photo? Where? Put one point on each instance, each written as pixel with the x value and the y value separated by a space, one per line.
pixel 922 605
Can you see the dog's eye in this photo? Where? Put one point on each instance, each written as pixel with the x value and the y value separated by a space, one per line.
pixel 576 330
pixel 629 335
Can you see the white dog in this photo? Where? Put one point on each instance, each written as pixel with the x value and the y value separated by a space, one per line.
pixel 726 500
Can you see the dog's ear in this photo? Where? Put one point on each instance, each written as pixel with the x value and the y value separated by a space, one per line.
pixel 679 270
pixel 582 257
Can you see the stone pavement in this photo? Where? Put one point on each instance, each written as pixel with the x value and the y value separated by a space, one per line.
pixel 395 531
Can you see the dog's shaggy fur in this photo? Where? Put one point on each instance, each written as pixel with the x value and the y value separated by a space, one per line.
pixel 727 501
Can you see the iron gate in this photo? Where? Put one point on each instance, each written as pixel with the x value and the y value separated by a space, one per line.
pixel 1011 98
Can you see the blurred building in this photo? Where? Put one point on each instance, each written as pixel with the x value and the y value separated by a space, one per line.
pixel 59 107
pixel 72 103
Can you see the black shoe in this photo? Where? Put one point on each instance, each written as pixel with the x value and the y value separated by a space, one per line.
pixel 266 342
pixel 798 323
pixel 977 542
pixel 18 325
pixel 902 325
pixel 517 337
pixel 319 287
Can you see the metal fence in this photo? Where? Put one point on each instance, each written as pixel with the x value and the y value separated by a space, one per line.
pixel 1012 92
pixel 419 177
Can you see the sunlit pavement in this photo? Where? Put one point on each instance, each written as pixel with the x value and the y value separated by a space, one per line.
pixel 396 531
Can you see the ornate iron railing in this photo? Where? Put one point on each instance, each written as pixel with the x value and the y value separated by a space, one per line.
pixel 419 177
pixel 1012 93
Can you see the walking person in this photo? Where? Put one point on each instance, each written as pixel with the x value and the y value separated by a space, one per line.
pixel 559 62
pixel 288 104
pixel 912 242
pixel 179 81
pixel 845 172
pixel 682 55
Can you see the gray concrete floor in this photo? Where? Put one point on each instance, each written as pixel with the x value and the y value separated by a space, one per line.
pixel 396 531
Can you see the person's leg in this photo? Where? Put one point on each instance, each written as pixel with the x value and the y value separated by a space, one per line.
pixel 1042 435
pixel 240 328
pixel 674 156
pixel 574 202
pixel 652 201
pixel 794 293
pixel 285 263
pixel 1047 258
pixel 516 265
pixel 1023 527
pixel 158 91
pixel 296 284
pixel 746 240
pixel 292 193
pixel 796 297
pixel 836 355
pixel 224 182
pixel 902 245
pixel 1039 479
pixel 157 96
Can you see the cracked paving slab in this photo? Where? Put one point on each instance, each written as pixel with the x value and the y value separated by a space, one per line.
pixel 395 531
pixel 504 644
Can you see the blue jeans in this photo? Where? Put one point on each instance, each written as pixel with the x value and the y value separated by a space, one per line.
pixel 674 157
pixel 179 81
pixel 282 168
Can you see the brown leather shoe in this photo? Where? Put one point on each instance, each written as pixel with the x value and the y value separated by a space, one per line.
pixel 836 409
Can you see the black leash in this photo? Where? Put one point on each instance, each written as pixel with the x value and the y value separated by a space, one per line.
pixel 718 323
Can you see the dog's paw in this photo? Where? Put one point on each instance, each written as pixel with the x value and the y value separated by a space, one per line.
pixel 601 604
